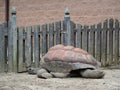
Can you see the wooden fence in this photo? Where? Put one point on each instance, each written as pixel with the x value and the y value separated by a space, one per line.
pixel 21 47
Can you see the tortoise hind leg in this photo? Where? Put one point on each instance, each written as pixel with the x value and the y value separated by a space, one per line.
pixel 88 73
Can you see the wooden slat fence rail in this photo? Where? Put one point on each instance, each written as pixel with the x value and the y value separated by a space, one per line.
pixel 23 47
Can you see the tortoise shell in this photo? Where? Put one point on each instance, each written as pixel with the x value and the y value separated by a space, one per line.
pixel 67 58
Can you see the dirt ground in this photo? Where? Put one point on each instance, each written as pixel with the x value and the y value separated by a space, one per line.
pixel 24 81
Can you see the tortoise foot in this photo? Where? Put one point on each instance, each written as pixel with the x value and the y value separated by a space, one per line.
pixel 42 73
pixel 92 73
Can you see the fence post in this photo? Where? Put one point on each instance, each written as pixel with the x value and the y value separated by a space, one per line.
pixel 110 58
pixel 13 41
pixel 67 27
pixel 2 42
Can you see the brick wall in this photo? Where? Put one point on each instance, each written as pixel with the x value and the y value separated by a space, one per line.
pixel 30 12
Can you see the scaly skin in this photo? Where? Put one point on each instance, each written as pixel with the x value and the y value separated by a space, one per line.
pixel 92 73
pixel 86 73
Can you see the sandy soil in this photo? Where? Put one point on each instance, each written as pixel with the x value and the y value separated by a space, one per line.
pixel 12 81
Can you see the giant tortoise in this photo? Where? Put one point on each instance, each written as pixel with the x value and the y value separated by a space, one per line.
pixel 67 61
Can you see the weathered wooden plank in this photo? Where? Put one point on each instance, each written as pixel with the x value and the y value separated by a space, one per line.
pixel 2 42
pixel 44 39
pixel 104 44
pixel 92 40
pixel 5 28
pixel 5 49
pixel 58 32
pixel 119 42
pixel 20 49
pixel 111 21
pixel 28 47
pixel 51 33
pixel 36 46
pixel 98 42
pixel 15 50
pixel 10 49
pixel 73 33
pixel 67 27
pixel 85 38
pixel 68 33
pixel 116 43
pixel 14 31
pixel 79 36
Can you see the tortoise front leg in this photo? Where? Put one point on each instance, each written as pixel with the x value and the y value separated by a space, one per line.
pixel 43 73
